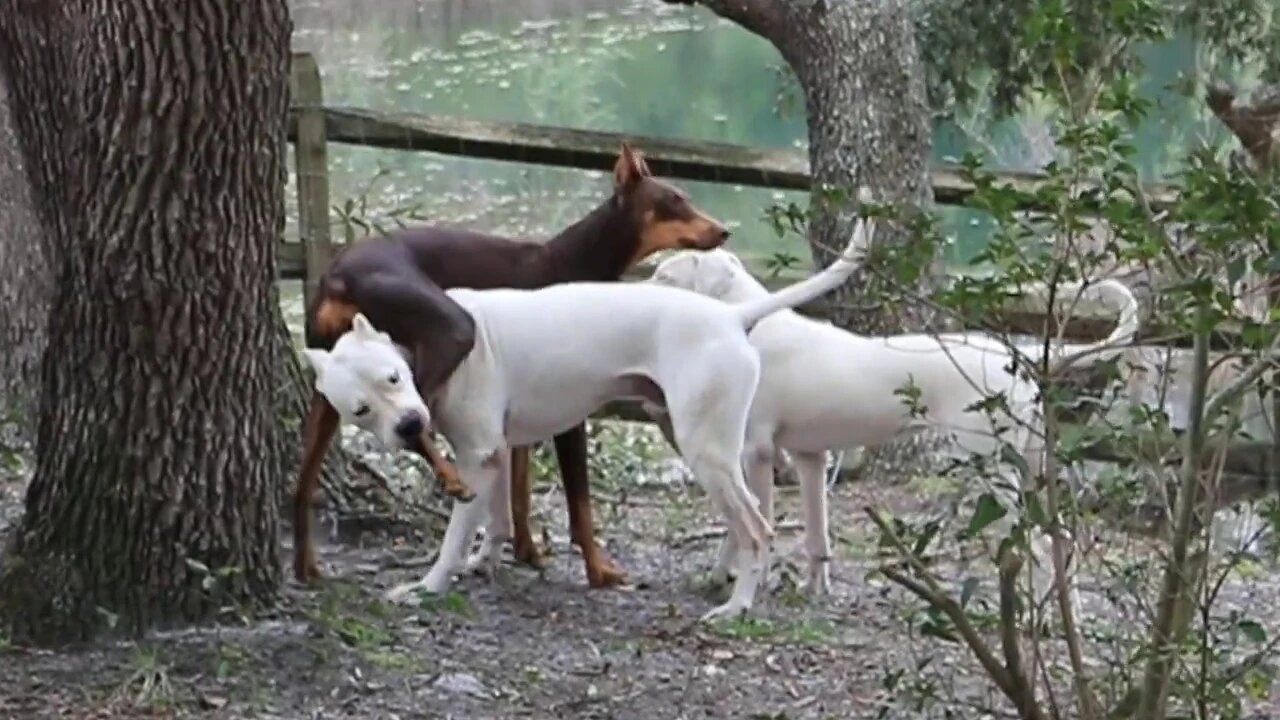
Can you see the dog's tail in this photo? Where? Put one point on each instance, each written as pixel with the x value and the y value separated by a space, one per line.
pixel 1109 293
pixel 830 278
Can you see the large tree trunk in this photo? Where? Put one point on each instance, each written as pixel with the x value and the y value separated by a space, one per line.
pixel 32 196
pixel 33 181
pixel 24 282
pixel 869 126
pixel 156 455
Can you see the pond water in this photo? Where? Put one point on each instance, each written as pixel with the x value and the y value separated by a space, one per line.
pixel 632 66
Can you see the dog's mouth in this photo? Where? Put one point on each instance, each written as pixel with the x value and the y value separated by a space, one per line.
pixel 706 243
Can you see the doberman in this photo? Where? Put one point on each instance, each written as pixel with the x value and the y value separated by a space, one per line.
pixel 397 281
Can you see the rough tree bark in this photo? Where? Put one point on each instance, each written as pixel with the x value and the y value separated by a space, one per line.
pixel 869 125
pixel 31 195
pixel 156 455
pixel 31 203
pixel 24 280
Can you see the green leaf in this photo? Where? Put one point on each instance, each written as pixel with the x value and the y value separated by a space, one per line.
pixel 1252 630
pixel 987 511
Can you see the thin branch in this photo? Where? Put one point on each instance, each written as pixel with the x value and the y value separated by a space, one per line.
pixel 1155 679
pixel 714 532
pixel 765 18
pixel 931 592
pixel 1229 393
pixel 999 674
pixel 1010 565
pixel 1090 707
pixel 1253 123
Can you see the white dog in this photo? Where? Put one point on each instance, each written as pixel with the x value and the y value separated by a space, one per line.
pixel 823 388
pixel 545 359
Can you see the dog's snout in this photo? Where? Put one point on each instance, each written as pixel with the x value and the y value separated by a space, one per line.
pixel 410 426
pixel 714 234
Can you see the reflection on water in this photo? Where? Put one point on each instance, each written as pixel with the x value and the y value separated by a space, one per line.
pixel 633 66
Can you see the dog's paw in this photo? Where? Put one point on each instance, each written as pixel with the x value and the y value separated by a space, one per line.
pixel 404 594
pixel 818 582
pixel 484 561
pixel 437 580
pixel 720 577
pixel 606 575
pixel 730 609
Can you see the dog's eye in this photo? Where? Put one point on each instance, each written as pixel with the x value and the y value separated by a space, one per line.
pixel 395 378
pixel 361 411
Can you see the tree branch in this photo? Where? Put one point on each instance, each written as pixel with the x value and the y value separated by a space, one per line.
pixel 1254 123
pixel 1010 563
pixel 765 18
pixel 928 590
pixel 1155 680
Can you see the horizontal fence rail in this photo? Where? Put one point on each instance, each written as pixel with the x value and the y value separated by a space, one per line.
pixel 698 160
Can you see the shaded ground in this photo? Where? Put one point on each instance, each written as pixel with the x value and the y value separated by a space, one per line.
pixel 523 644
pixel 541 645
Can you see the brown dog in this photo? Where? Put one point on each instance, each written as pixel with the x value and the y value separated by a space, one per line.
pixel 396 281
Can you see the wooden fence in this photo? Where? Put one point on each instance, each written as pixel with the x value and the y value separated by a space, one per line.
pixel 312 125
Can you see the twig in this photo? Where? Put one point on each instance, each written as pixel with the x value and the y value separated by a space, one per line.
pixel 1090 707
pixel 928 589
pixel 1252 124
pixel 1010 565
pixel 712 533
pixel 1156 676
pixel 998 672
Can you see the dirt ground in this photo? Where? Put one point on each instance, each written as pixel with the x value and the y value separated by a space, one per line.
pixel 538 645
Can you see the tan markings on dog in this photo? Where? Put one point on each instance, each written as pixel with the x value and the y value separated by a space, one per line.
pixel 451 483
pixel 334 317
pixel 659 235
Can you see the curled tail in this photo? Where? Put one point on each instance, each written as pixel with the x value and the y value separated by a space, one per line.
pixel 830 278
pixel 1112 294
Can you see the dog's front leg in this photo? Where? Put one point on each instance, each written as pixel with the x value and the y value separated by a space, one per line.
pixel 482 472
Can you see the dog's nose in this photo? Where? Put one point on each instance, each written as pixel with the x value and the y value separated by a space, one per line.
pixel 410 426
pixel 721 234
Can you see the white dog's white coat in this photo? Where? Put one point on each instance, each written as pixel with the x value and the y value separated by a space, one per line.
pixel 823 388
pixel 545 359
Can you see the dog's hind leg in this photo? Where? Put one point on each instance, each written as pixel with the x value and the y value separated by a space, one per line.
pixel 497 526
pixel 709 418
pixel 321 427
pixel 523 547
pixel 751 532
pixel 817 539
pixel 758 459
pixel 571 453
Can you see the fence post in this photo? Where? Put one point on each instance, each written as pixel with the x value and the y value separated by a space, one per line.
pixel 311 168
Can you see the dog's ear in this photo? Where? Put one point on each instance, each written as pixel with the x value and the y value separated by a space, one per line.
pixel 714 275
pixel 317 359
pixel 362 326
pixel 629 168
